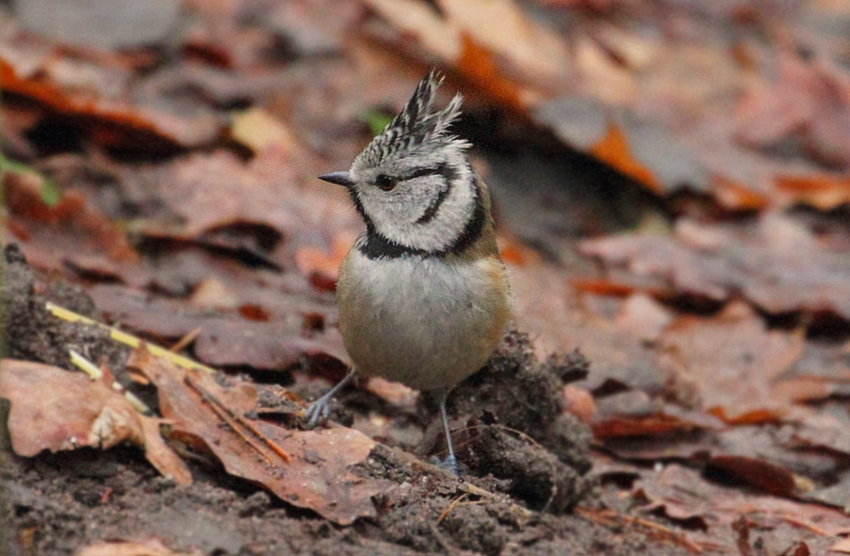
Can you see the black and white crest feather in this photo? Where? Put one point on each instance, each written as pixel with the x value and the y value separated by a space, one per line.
pixel 416 126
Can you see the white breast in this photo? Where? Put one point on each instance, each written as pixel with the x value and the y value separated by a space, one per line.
pixel 426 322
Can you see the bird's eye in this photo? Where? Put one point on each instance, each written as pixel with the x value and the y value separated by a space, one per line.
pixel 385 182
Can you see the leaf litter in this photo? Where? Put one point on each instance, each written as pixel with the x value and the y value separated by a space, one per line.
pixel 699 339
pixel 314 476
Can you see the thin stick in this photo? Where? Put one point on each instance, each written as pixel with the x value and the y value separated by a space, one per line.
pixel 96 374
pixel 185 340
pixel 127 339
pixel 232 419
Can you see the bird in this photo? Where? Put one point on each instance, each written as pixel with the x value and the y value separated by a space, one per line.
pixel 423 295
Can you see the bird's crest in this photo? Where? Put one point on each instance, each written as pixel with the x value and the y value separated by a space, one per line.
pixel 416 126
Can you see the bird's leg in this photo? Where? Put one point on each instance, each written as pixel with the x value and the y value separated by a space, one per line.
pixel 321 408
pixel 450 462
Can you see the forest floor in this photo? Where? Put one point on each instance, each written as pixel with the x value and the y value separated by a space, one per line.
pixel 671 196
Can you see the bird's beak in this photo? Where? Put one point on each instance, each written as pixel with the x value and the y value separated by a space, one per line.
pixel 339 178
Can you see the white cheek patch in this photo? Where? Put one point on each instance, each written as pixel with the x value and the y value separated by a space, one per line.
pixel 443 227
pixel 430 208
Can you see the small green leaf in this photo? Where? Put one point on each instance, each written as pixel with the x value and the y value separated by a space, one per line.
pixel 377 120
pixel 49 193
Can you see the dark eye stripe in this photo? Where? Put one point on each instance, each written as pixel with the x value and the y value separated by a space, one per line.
pixel 431 212
pixel 420 172
pixel 449 175
pixel 377 246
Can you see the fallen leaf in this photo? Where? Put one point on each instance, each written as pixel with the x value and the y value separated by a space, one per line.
pixel 613 150
pixel 71 216
pixel 631 426
pixel 579 402
pixel 557 315
pixel 822 191
pixel 113 122
pixel 151 547
pixel 734 360
pixel 766 476
pixel 683 494
pixel 257 129
pixel 394 392
pixel 160 455
pixel 469 28
pixel 312 261
pixel 841 546
pixel 811 99
pixel 209 192
pixel 643 317
pixel 53 409
pixel 314 474
pixel 776 263
pixel 478 64
pixel 226 337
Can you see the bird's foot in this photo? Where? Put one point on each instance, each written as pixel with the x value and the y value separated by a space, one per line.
pixel 449 463
pixel 319 410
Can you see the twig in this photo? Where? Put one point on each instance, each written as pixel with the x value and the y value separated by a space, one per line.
pixel 236 422
pixel 96 374
pixel 185 340
pixel 127 339
pixel 665 532
pixel 456 502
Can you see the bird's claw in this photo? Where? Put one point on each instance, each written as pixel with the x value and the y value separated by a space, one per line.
pixel 317 411
pixel 449 463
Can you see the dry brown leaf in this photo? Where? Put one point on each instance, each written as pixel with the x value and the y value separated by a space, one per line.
pixel 757 472
pixel 734 360
pixel 810 99
pixel 151 547
pixel 394 392
pixel 312 261
pixel 683 494
pixel 643 317
pixel 53 409
pixel 227 337
pixel 502 27
pixel 213 191
pixel 841 546
pixel 160 455
pixel 636 426
pixel 113 123
pixel 72 217
pixel 499 27
pixel 316 475
pixel 579 402
pixel 556 315
pixel 479 65
pixel 776 263
pixel 614 151
pixel 257 129
pixel 822 191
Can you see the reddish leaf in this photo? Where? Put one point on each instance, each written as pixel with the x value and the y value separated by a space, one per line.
pixel 683 494
pixel 734 360
pixel 776 263
pixel 639 425
pixel 314 471
pixel 614 150
pixel 53 409
pixel 759 473
pixel 113 123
